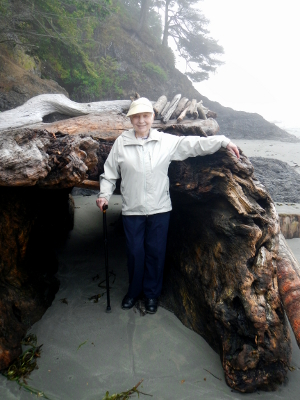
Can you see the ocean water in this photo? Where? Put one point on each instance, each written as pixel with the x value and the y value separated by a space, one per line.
pixel 293 129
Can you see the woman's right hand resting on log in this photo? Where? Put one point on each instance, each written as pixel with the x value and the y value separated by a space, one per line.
pixel 233 149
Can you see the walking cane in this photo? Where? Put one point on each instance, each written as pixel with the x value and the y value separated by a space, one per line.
pixel 104 208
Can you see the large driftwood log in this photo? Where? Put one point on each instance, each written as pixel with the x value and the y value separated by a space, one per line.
pixel 222 254
pixel 64 153
pixel 38 107
pixel 37 157
pixel 221 278
pixel 111 125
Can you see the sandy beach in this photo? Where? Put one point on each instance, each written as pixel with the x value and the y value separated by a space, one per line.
pixel 283 151
pixel 87 351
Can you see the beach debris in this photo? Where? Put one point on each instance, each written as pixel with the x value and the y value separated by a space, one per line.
pixel 135 96
pixel 140 307
pixel 81 344
pixel 64 301
pixel 96 297
pixel 22 367
pixel 95 278
pixel 111 273
pixel 102 285
pixel 126 395
pixel 212 374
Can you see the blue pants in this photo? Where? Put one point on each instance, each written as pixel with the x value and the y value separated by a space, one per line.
pixel 146 240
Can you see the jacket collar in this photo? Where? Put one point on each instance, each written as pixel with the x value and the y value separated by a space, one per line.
pixel 130 139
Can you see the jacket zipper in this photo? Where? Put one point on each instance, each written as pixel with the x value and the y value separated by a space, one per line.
pixel 145 183
pixel 150 162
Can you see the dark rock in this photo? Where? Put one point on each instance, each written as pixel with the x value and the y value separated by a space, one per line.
pixel 280 179
pixel 83 192
pixel 17 85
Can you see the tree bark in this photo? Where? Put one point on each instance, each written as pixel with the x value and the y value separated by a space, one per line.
pixel 220 277
pixel 38 157
pixel 143 15
pixel 166 25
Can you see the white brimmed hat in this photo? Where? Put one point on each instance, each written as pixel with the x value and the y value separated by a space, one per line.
pixel 139 106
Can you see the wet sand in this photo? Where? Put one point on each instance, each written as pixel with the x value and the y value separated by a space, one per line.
pixel 283 151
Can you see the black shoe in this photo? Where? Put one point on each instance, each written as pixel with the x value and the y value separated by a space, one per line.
pixel 128 302
pixel 151 305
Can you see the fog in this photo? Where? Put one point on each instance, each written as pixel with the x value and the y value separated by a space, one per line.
pixel 262 64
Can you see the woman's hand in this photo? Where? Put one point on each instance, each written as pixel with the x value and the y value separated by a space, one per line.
pixel 101 201
pixel 233 149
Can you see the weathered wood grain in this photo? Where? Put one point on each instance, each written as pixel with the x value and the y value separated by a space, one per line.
pixel 38 107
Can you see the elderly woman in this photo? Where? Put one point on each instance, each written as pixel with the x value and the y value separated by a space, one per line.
pixel 141 157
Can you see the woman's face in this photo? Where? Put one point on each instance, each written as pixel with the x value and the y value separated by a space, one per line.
pixel 142 123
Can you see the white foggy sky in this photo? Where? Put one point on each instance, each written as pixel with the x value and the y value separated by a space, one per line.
pixel 262 61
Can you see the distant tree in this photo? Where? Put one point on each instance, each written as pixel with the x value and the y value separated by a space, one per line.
pixel 145 5
pixel 146 14
pixel 186 25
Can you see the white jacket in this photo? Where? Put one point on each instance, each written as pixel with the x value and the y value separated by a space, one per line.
pixel 143 166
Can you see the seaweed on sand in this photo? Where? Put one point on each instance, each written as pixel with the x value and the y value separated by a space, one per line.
pixel 126 395
pixel 22 367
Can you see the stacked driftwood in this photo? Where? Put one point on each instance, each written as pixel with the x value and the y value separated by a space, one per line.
pixel 179 108
pixel 35 109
